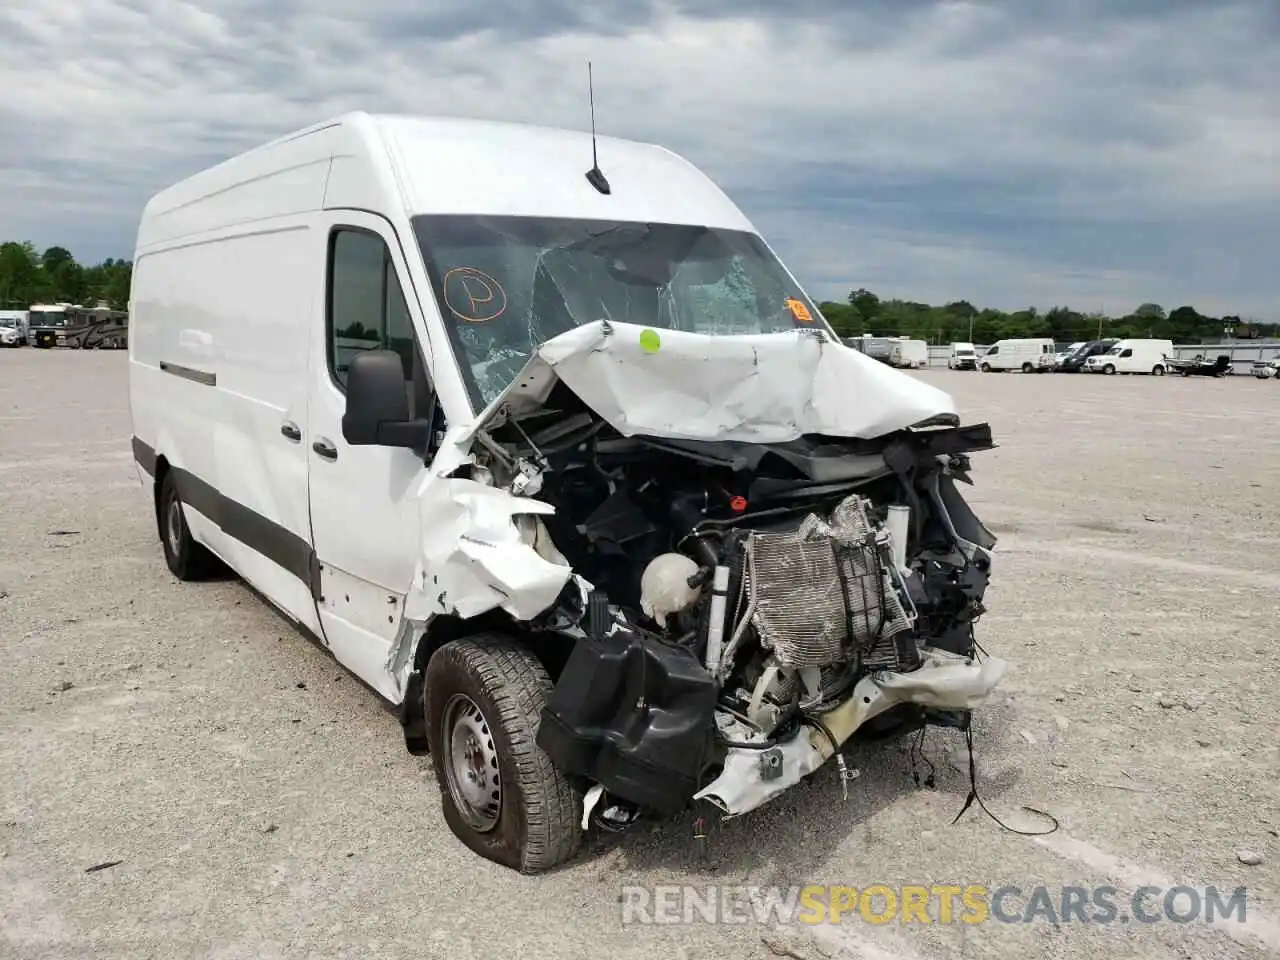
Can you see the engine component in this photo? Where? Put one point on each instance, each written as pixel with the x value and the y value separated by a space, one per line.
pixel 820 595
pixel 897 523
pixel 715 623
pixel 633 714
pixel 665 587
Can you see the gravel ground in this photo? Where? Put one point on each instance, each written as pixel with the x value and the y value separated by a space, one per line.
pixel 260 803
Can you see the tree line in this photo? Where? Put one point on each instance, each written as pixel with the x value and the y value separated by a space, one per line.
pixel 28 276
pixel 961 321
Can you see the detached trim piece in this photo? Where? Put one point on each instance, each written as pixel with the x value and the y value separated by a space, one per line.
pixel 278 544
pixel 190 373
pixel 145 456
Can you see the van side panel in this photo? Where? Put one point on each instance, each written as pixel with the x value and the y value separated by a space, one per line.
pixel 244 301
pixel 172 374
pixel 227 276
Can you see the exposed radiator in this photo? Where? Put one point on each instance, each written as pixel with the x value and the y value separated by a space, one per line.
pixel 820 593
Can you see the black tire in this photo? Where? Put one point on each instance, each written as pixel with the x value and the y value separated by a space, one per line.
pixel 986 368
pixel 1026 368
pixel 537 825
pixel 186 559
pixel 1108 369
pixel 1158 370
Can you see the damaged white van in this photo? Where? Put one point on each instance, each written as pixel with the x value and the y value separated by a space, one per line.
pixel 558 458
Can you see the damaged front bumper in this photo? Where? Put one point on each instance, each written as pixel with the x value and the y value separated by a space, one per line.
pixel 755 774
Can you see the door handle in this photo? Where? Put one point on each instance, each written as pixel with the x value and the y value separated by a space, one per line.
pixel 325 449
pixel 291 432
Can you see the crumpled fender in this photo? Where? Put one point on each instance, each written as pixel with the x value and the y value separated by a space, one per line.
pixel 484 549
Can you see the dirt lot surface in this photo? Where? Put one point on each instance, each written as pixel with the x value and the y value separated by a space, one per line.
pixel 257 802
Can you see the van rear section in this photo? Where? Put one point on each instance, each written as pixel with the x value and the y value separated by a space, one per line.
pixel 368 372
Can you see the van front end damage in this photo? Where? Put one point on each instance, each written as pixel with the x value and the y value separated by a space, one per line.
pixel 744 583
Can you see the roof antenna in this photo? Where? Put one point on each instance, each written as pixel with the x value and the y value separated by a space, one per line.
pixel 594 176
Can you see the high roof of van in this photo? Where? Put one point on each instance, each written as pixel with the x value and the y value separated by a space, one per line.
pixel 439 165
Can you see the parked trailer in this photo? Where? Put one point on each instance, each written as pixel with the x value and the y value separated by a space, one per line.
pixel 909 354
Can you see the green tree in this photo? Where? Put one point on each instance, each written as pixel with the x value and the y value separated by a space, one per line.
pixel 866 303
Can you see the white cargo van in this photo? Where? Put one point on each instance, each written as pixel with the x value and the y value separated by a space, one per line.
pixel 540 450
pixel 1133 356
pixel 964 356
pixel 1030 355
pixel 909 354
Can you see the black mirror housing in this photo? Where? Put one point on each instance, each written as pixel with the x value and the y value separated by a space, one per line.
pixel 377 413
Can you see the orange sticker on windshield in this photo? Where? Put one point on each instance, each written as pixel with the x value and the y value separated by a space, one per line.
pixel 799 310
pixel 472 295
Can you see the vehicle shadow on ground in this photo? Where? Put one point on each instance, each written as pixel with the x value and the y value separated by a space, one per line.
pixel 797 835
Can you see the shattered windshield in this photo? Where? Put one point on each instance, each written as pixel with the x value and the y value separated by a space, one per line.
pixel 507 284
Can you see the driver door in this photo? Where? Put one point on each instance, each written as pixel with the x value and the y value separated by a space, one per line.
pixel 364 516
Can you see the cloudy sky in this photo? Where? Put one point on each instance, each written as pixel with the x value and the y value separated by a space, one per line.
pixel 1099 153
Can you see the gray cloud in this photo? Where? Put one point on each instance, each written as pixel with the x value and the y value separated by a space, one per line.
pixel 1089 153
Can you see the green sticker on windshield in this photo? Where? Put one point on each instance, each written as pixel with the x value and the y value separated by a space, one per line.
pixel 650 342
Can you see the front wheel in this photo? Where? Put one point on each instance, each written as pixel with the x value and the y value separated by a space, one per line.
pixel 502 796
pixel 986 368
pixel 1109 369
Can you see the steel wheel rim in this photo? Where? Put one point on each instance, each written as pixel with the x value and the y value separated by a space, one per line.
pixel 174 526
pixel 471 765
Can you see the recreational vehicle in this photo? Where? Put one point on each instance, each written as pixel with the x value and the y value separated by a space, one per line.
pixel 558 458
pixel 47 324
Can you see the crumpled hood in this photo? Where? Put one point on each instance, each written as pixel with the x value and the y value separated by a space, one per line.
pixel 761 388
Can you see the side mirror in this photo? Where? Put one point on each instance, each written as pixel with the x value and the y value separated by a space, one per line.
pixel 377 413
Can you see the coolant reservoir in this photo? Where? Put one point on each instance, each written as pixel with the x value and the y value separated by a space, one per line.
pixel 664 586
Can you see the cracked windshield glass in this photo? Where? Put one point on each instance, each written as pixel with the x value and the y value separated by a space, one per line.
pixel 507 284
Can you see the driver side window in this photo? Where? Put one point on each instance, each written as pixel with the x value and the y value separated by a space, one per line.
pixel 366 308
pixel 1126 352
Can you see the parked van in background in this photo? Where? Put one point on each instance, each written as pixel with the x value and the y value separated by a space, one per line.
pixel 13 328
pixel 500 428
pixel 1074 362
pixel 1060 357
pixel 1030 355
pixel 964 356
pixel 909 354
pixel 1133 356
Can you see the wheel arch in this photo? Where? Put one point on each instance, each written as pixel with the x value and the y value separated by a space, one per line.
pixel 161 472
pixel 551 649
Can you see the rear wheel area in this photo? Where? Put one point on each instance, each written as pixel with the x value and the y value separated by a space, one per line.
pixel 1158 370
pixel 185 558
pixel 502 796
pixel 1027 368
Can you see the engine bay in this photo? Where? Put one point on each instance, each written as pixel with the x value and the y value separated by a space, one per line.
pixel 750 605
